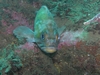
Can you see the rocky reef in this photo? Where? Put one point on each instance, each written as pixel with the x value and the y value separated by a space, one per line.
pixel 78 57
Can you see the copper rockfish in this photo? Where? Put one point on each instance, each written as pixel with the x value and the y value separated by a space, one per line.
pixel 45 31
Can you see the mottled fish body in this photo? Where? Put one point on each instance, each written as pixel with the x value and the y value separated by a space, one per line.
pixel 45 31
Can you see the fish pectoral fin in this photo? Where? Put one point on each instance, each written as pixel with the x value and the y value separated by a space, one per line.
pixel 61 30
pixel 30 39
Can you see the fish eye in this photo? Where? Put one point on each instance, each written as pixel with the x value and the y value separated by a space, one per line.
pixel 42 36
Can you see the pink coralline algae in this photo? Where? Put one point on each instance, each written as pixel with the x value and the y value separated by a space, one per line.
pixel 27 46
pixel 70 38
pixel 94 19
pixel 10 29
pixel 19 20
pixel 3 22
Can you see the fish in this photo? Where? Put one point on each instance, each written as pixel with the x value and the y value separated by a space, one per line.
pixel 45 31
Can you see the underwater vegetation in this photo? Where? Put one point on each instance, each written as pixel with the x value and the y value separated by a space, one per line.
pixel 76 12
pixel 23 22
pixel 9 61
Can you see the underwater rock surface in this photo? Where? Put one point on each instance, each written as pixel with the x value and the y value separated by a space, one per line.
pixel 80 59
pixel 70 38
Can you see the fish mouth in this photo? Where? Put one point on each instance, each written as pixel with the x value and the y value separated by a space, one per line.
pixel 49 49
